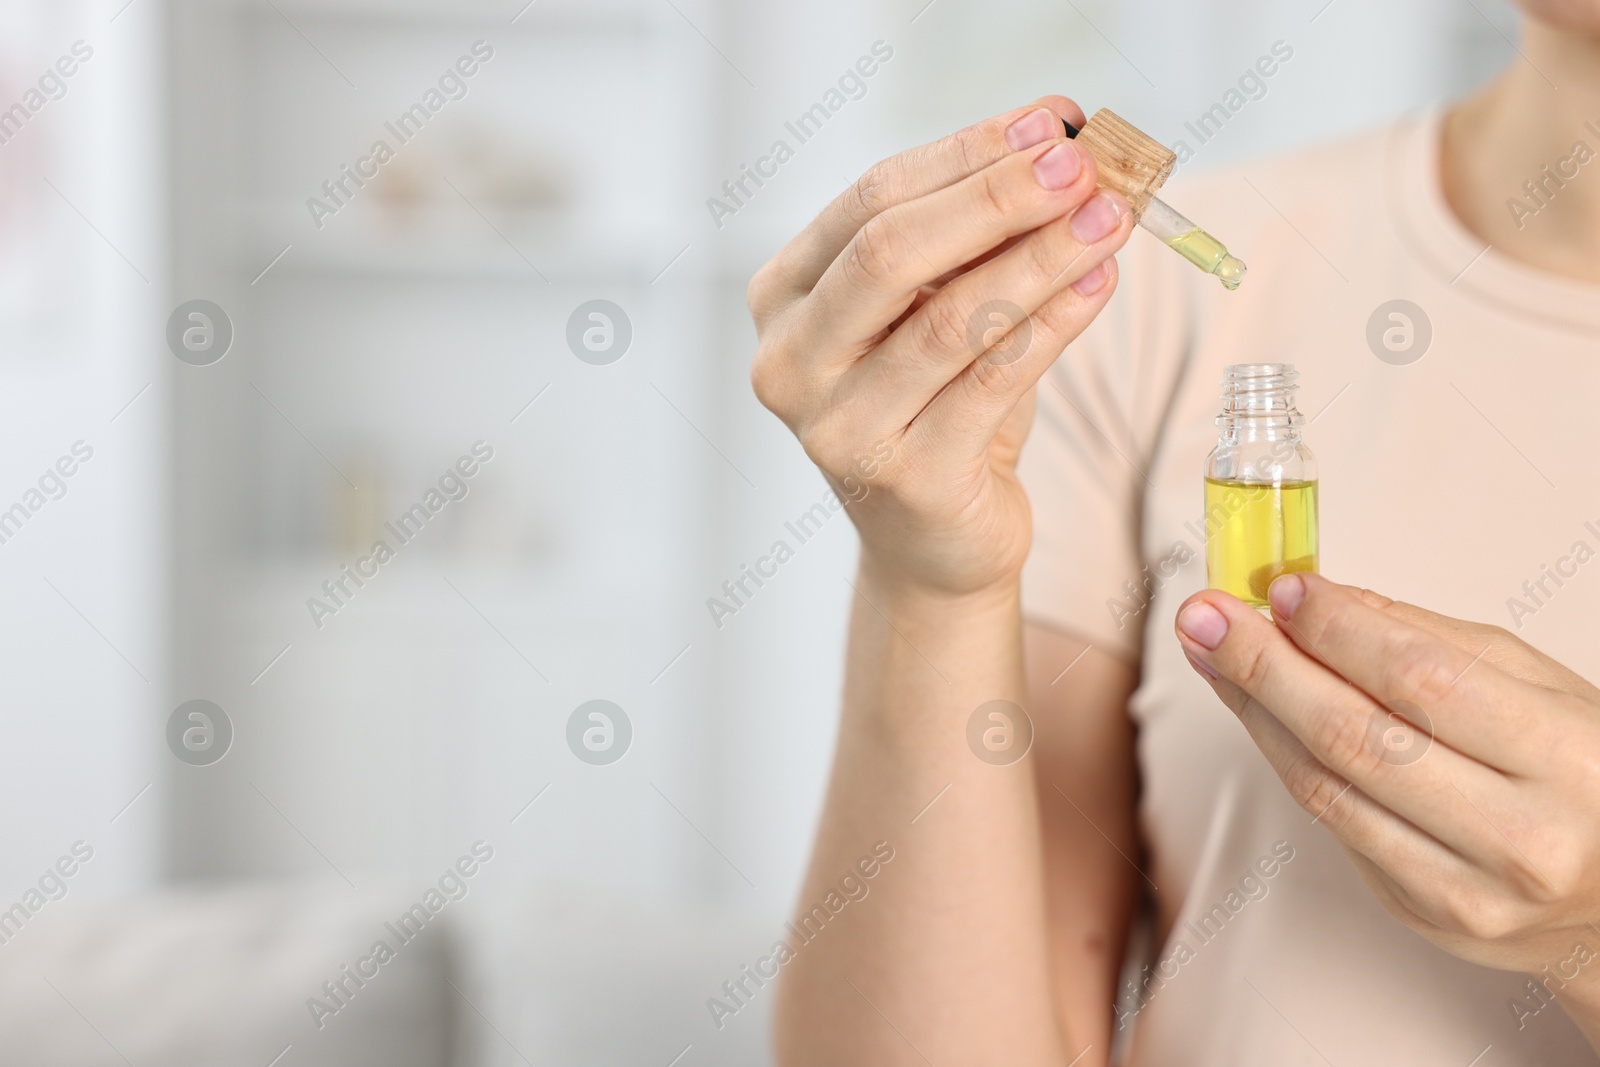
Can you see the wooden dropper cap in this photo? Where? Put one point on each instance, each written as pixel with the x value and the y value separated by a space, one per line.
pixel 1128 159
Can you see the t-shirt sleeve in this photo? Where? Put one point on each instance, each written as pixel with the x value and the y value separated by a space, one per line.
pixel 1098 419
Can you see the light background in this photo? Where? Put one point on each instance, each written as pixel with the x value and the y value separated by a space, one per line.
pixel 427 315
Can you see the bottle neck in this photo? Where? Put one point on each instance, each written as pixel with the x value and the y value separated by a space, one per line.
pixel 1240 429
pixel 1258 404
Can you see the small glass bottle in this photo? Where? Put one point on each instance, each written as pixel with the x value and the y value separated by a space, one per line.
pixel 1260 484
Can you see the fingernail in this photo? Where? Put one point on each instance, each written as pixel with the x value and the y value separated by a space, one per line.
pixel 1059 167
pixel 1095 219
pixel 1094 281
pixel 1033 128
pixel 1285 595
pixel 1203 624
pixel 1201 667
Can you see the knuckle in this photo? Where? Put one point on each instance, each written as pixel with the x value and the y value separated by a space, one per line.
pixel 1047 255
pixel 990 380
pixel 940 327
pixel 1420 673
pixel 1479 634
pixel 831 443
pixel 759 295
pixel 1502 636
pixel 821 446
pixel 1056 318
pixel 765 380
pixel 1481 916
pixel 970 146
pixel 1312 787
pixel 775 380
pixel 1544 874
pixel 1329 616
pixel 876 255
pixel 871 191
pixel 1255 669
pixel 1343 742
pixel 1374 599
pixel 831 437
pixel 994 194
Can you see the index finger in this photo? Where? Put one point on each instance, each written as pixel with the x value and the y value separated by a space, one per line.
pixel 1474 707
pixel 907 176
pixel 1506 651
pixel 1262 675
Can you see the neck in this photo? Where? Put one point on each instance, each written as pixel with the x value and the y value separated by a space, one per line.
pixel 1521 159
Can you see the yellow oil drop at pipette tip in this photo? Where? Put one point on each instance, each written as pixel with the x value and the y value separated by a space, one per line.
pixel 1210 255
pixel 1230 272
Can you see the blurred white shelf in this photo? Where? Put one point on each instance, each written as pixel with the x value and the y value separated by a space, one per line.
pixel 453 241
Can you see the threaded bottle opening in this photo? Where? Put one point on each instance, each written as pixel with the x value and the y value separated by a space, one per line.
pixel 1260 391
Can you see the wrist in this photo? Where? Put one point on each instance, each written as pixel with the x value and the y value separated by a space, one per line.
pixel 898 594
pixel 946 650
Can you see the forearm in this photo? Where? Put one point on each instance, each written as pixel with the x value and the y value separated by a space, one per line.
pixel 948 951
pixel 1086 767
pixel 865 356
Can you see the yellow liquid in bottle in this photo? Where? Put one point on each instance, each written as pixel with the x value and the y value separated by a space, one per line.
pixel 1210 255
pixel 1256 532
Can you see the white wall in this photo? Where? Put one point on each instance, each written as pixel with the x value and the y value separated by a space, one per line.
pixel 84 635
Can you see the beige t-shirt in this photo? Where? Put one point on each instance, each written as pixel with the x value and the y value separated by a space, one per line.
pixel 1447 482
